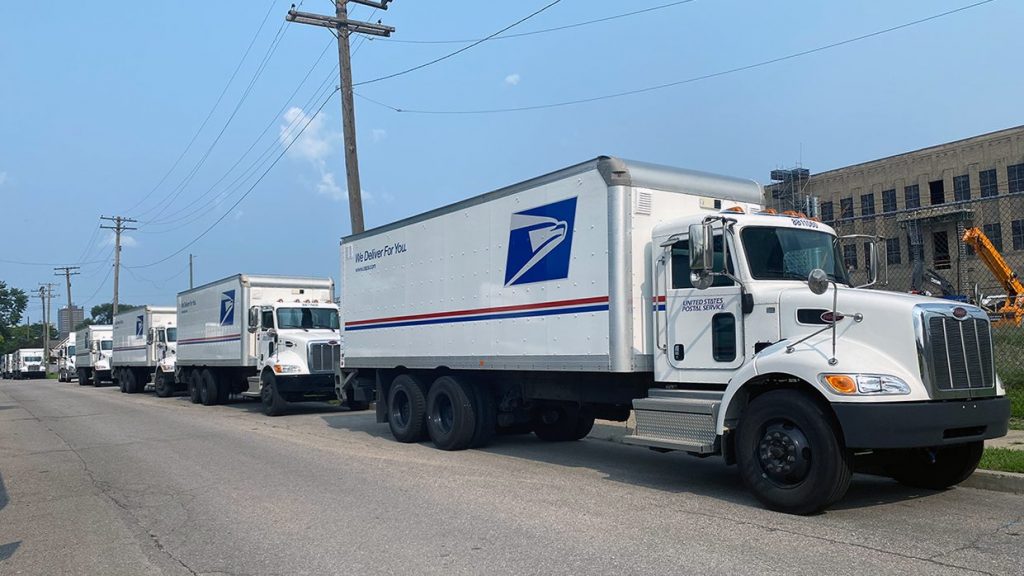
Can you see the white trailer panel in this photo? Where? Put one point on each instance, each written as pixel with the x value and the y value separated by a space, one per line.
pixel 543 275
pixel 92 343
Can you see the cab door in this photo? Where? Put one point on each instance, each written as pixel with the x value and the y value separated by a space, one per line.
pixel 704 328
pixel 266 340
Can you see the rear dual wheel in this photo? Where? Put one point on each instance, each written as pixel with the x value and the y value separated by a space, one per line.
pixel 456 413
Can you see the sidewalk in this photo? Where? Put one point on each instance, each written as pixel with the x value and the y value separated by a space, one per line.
pixel 1014 440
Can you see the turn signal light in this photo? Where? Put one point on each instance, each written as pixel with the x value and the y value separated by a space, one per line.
pixel 842 383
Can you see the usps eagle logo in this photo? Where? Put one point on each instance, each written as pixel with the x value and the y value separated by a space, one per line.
pixel 227 308
pixel 540 243
pixel 139 325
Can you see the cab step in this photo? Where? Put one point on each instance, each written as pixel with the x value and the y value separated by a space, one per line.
pixel 672 419
pixel 254 388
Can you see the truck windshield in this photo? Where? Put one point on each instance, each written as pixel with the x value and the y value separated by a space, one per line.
pixel 308 318
pixel 33 358
pixel 791 254
pixel 172 334
pixel 71 350
pixel 106 344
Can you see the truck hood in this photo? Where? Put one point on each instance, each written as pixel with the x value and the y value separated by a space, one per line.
pixel 300 338
pixel 877 332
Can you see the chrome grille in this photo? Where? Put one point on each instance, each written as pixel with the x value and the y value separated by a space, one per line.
pixel 324 356
pixel 957 354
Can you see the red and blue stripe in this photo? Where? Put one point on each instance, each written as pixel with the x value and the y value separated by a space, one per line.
pixel 560 307
pixel 210 340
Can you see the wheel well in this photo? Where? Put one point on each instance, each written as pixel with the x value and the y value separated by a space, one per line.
pixel 763 384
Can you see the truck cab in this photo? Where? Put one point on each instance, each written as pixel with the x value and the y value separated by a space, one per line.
pixel 66 359
pixel 768 352
pixel 297 346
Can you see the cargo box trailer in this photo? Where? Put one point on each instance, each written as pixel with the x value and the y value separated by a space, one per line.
pixel 613 288
pixel 94 346
pixel 29 363
pixel 145 341
pixel 272 338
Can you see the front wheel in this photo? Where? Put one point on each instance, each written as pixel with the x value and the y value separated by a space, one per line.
pixel 790 455
pixel 163 385
pixel 934 468
pixel 273 403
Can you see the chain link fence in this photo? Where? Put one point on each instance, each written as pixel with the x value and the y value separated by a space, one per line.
pixel 924 251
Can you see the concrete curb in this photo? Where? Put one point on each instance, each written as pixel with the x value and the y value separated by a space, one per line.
pixel 996 481
pixel 991 480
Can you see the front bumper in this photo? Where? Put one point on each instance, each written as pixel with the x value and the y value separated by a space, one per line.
pixel 319 384
pixel 922 424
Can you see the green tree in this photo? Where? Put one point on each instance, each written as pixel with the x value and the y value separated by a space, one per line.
pixel 27 337
pixel 104 313
pixel 13 302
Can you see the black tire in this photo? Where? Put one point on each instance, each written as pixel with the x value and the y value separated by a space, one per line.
pixel 486 408
pixel 118 377
pixel 208 394
pixel 273 403
pixel 790 453
pixel 131 381
pixel 163 385
pixel 96 380
pixel 451 417
pixel 934 468
pixel 195 382
pixel 407 409
pixel 83 376
pixel 223 391
pixel 563 423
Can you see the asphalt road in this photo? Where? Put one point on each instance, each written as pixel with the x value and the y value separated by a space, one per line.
pixel 93 481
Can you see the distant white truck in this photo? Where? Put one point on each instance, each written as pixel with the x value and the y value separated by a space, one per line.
pixel 145 341
pixel 66 359
pixel 6 362
pixel 615 287
pixel 94 346
pixel 28 363
pixel 268 337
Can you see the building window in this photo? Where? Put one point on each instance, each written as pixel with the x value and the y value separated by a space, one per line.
pixel 995 234
pixel 826 212
pixel 962 188
pixel 989 183
pixel 867 205
pixel 889 200
pixel 1015 178
pixel 937 192
pixel 940 245
pixel 846 208
pixel 1017 228
pixel 850 256
pixel 912 196
pixel 867 255
pixel 892 251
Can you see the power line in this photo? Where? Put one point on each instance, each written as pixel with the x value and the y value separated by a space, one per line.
pixel 98 288
pixel 202 161
pixel 186 212
pixel 209 115
pixel 677 82
pixel 249 191
pixel 455 53
pixel 543 30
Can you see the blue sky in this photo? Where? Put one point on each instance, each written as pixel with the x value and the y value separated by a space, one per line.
pixel 97 101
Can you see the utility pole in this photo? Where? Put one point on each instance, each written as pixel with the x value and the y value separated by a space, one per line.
pixel 118 228
pixel 46 295
pixel 190 275
pixel 68 272
pixel 343 28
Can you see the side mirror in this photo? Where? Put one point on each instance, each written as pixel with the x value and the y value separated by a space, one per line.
pixel 817 281
pixel 149 337
pixel 254 319
pixel 702 257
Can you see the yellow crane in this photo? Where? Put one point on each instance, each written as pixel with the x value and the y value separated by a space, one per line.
pixel 1012 310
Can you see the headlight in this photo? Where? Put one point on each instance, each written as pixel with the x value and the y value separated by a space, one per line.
pixel 866 384
pixel 287 368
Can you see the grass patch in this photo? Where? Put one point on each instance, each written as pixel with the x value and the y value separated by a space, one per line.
pixel 1016 394
pixel 1003 459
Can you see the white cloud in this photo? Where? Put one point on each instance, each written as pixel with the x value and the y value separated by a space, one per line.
pixel 126 240
pixel 3 178
pixel 512 79
pixel 313 145
pixel 329 187
pixel 379 134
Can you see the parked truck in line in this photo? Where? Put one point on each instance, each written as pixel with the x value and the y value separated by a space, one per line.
pixel 271 338
pixel 28 363
pixel 94 346
pixel 65 354
pixel 6 361
pixel 145 341
pixel 612 288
